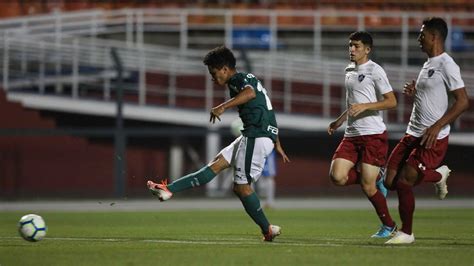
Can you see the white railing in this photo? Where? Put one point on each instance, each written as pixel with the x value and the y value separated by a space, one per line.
pixel 52 50
pixel 281 26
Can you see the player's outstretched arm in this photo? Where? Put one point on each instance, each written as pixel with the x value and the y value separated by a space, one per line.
pixel 244 96
pixel 334 125
pixel 280 151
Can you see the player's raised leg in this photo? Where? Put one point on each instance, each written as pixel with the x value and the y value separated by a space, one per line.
pixel 165 191
pixel 343 173
pixel 439 177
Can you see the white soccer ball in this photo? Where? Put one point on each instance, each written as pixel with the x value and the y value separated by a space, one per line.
pixel 236 127
pixel 32 227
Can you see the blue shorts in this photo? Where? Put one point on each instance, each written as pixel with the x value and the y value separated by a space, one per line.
pixel 269 169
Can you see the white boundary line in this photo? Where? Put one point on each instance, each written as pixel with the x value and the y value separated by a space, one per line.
pixel 219 204
pixel 246 242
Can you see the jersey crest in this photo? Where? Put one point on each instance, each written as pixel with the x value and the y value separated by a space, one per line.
pixel 430 73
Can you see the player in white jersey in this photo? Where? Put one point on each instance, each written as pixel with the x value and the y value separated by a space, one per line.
pixel 363 150
pixel 419 154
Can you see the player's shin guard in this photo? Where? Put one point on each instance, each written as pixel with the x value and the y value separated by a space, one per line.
pixel 255 211
pixel 380 204
pixel 199 178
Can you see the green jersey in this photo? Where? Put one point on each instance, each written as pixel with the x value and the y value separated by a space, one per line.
pixel 257 114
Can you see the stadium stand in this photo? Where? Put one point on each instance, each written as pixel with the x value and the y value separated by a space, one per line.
pixel 56 58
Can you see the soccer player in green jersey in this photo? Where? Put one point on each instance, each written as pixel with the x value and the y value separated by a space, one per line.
pixel 247 153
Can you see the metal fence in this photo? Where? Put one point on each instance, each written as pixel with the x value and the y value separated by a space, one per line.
pixel 71 50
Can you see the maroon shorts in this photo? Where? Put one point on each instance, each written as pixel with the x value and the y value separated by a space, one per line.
pixel 409 151
pixel 370 149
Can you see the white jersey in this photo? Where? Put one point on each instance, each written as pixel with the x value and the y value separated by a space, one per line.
pixel 439 75
pixel 365 83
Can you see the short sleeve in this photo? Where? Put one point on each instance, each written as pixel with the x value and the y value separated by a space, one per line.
pixel 381 81
pixel 452 76
pixel 249 80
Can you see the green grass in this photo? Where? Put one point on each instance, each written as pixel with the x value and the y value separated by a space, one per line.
pixel 310 237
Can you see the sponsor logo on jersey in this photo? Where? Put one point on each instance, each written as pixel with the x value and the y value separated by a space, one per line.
pixel 272 129
pixel 430 73
pixel 421 167
pixel 361 77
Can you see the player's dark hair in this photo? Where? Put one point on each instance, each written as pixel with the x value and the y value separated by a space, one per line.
pixel 436 24
pixel 362 36
pixel 219 57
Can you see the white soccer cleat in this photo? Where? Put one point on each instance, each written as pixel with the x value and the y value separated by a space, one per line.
pixel 401 238
pixel 160 190
pixel 273 231
pixel 441 187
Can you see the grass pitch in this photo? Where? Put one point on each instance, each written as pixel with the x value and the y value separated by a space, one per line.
pixel 201 237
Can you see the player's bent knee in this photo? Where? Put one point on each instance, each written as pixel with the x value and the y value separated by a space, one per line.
pixel 218 164
pixel 369 190
pixel 242 190
pixel 338 180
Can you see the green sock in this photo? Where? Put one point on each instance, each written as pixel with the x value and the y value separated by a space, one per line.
pixel 255 211
pixel 199 178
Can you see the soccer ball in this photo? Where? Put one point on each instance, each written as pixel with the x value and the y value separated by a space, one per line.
pixel 32 227
pixel 236 127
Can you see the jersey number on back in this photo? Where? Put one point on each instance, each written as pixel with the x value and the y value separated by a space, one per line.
pixel 263 90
